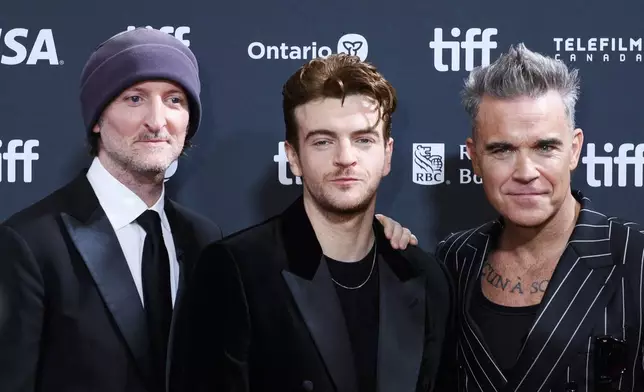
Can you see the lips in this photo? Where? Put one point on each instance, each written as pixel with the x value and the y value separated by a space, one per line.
pixel 527 193
pixel 344 179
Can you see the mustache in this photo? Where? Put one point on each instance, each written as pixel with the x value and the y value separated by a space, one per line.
pixel 345 173
pixel 153 136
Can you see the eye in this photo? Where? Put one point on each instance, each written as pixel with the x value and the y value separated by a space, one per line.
pixel 365 140
pixel 176 100
pixel 133 98
pixel 546 148
pixel 321 143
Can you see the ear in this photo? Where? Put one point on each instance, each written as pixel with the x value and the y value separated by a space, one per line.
pixel 293 159
pixel 577 143
pixel 470 144
pixel 389 149
pixel 97 127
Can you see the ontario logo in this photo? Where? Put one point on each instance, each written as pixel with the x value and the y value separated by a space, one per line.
pixel 353 44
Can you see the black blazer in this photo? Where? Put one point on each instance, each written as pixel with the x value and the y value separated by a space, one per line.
pixel 595 290
pixel 70 315
pixel 262 314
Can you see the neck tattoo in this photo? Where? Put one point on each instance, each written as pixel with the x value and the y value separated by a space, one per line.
pixel 516 286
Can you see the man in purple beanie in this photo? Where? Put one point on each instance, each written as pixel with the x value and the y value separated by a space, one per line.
pixel 89 275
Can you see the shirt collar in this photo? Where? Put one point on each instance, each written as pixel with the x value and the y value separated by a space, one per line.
pixel 121 205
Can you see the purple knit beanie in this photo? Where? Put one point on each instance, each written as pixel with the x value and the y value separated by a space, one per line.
pixel 132 57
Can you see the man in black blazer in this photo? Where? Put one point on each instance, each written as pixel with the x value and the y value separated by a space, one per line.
pixel 88 275
pixel 549 296
pixel 316 298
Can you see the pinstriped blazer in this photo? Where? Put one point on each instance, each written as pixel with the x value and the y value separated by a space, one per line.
pixel 596 289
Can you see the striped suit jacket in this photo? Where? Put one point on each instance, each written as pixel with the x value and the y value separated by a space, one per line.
pixel 596 289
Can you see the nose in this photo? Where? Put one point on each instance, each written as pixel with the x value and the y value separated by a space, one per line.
pixel 525 169
pixel 345 154
pixel 155 119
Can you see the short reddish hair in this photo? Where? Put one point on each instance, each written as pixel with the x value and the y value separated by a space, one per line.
pixel 336 76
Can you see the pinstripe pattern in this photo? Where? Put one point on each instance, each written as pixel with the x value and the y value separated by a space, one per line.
pixel 596 289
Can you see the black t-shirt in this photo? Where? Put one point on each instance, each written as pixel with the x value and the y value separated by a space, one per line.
pixel 504 328
pixel 361 312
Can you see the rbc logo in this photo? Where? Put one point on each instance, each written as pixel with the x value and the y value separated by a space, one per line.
pixel 622 160
pixel 282 167
pixel 43 48
pixel 354 45
pixel 27 156
pixel 178 32
pixel 485 45
pixel 428 163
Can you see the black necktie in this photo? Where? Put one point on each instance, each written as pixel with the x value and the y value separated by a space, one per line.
pixel 155 271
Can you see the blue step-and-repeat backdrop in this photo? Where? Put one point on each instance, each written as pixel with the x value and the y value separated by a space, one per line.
pixel 237 173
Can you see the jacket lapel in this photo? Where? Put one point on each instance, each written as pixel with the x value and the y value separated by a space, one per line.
pixel 309 281
pixel 402 330
pixel 582 284
pixel 186 249
pixel 97 244
pixel 320 307
pixel 473 353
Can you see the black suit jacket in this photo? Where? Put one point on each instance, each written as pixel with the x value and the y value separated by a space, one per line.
pixel 70 315
pixel 595 290
pixel 262 314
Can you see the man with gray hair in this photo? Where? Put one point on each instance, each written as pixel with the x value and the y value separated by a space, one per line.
pixel 549 295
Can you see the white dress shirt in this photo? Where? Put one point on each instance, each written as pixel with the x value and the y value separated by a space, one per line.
pixel 122 207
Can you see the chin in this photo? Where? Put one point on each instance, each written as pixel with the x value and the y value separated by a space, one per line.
pixel 152 165
pixel 345 205
pixel 527 218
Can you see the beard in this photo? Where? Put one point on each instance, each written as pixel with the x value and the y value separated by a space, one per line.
pixel 333 203
pixel 150 160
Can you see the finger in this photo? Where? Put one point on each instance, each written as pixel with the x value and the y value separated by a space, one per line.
pixel 413 240
pixel 388 224
pixel 397 235
pixel 405 237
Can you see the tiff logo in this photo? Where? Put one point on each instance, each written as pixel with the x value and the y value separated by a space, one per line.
pixel 622 160
pixel 178 32
pixel 485 45
pixel 9 158
pixel 282 167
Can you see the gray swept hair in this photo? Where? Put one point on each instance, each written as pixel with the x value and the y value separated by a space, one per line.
pixel 521 72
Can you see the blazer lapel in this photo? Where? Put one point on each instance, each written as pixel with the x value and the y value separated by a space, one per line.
pixel 582 284
pixel 472 350
pixel 320 307
pixel 96 242
pixel 309 281
pixel 182 235
pixel 402 331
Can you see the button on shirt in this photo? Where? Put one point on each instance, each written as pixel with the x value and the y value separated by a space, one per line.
pixel 122 207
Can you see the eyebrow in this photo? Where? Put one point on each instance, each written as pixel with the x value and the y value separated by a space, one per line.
pixel 553 141
pixel 173 90
pixel 326 132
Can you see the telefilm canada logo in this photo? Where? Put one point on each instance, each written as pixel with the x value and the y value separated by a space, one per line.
pixel 15 152
pixel 353 44
pixel 31 47
pixel 179 32
pixel 476 40
pixel 598 49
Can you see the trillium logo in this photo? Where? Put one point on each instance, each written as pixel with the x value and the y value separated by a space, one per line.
pixel 354 45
